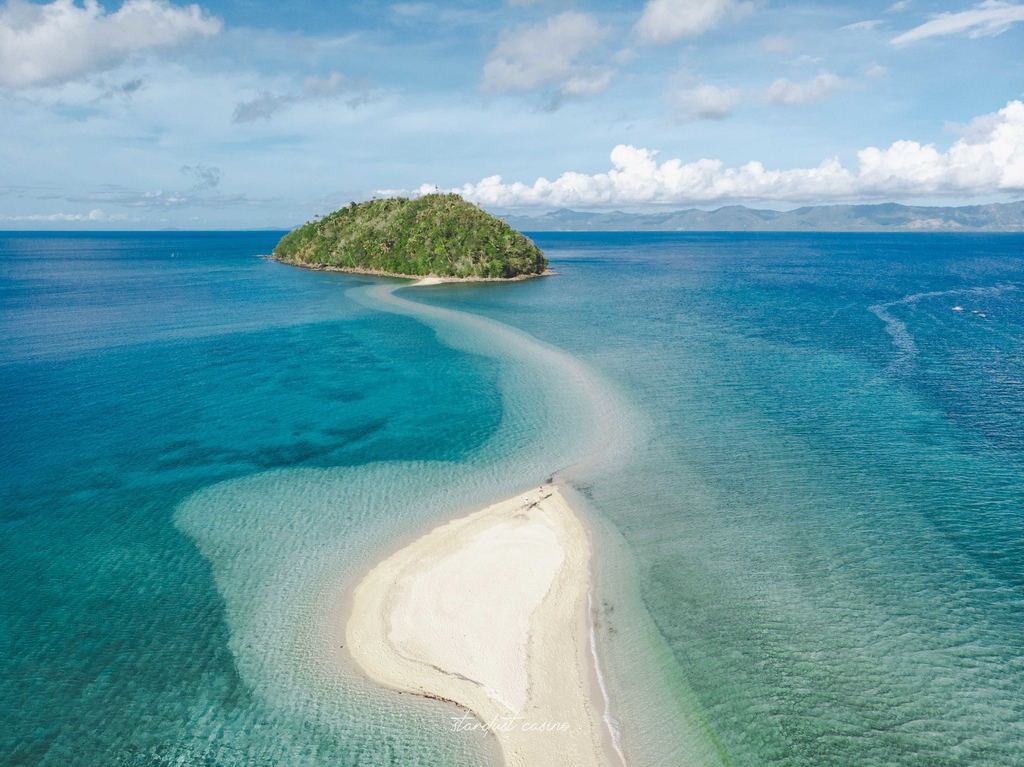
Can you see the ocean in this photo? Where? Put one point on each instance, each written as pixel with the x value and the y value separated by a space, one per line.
pixel 801 455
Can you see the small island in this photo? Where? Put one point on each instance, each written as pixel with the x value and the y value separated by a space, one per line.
pixel 436 235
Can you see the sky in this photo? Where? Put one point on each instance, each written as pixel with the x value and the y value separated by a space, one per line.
pixel 241 114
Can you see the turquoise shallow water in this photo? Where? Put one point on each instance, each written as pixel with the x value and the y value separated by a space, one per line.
pixel 820 502
pixel 828 515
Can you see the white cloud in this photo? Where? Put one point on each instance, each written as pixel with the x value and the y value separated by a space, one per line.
pixel 899 5
pixel 548 56
pixel 624 57
pixel 777 44
pixel 805 58
pixel 93 215
pixel 197 196
pixel 987 161
pixel 60 41
pixel 268 104
pixel 705 102
pixel 992 17
pixel 587 84
pixel 864 26
pixel 444 13
pixel 786 93
pixel 665 21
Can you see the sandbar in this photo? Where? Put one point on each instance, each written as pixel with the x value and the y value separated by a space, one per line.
pixel 491 612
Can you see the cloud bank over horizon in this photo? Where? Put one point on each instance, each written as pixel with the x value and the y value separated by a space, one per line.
pixel 988 159
pixel 220 114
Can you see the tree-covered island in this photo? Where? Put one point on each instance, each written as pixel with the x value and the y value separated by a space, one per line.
pixel 438 235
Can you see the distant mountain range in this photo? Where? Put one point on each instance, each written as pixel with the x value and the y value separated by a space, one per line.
pixel 886 217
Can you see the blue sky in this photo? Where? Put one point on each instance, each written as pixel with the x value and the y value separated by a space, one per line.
pixel 240 113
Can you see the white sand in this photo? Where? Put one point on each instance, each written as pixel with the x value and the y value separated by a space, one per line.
pixel 429 281
pixel 490 612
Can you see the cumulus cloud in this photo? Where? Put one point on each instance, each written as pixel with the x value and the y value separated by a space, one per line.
pixel 988 160
pixel 665 21
pixel 268 104
pixel 548 55
pixel 786 93
pixel 705 102
pixel 993 17
pixel 57 42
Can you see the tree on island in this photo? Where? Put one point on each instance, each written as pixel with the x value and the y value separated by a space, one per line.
pixel 436 234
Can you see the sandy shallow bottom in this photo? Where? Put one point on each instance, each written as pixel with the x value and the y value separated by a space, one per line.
pixel 490 612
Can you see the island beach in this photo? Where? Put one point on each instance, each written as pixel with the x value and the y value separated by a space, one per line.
pixel 490 612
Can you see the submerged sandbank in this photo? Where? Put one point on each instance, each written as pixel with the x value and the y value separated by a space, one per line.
pixel 490 612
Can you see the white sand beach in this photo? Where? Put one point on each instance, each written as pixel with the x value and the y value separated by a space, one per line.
pixel 490 611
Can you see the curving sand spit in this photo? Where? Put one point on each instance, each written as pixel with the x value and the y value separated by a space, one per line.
pixel 490 611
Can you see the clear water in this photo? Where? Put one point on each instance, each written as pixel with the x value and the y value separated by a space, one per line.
pixel 828 515
pixel 812 530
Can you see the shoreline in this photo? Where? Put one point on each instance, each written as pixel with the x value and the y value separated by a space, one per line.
pixel 492 612
pixel 424 279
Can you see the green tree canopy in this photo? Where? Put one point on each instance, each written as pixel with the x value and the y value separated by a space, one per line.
pixel 436 234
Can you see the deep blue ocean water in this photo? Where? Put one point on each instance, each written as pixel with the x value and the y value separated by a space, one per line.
pixel 825 509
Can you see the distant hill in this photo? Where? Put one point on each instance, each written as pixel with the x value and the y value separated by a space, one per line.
pixel 436 234
pixel 886 217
